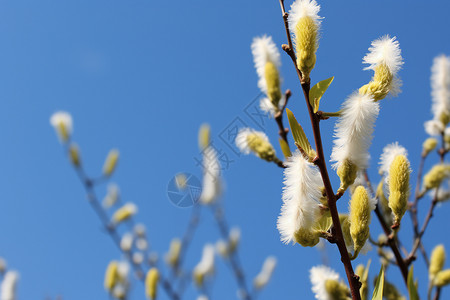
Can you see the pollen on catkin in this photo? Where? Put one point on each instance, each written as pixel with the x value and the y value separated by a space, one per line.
pixel 437 261
pixel 347 172
pixel 360 209
pixel 436 175
pixel 429 145
pixel 249 140
pixel 151 283
pixel 124 213
pixel 304 22
pixel 399 173
pixel 385 60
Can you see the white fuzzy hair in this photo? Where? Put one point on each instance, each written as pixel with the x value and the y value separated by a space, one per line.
pixel 241 138
pixel 301 9
pixel 354 130
pixel 301 195
pixel 440 86
pixel 264 50
pixel 318 276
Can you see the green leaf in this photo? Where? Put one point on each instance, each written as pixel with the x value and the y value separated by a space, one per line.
pixel 378 289
pixel 285 148
pixel 298 133
pixel 412 290
pixel 317 91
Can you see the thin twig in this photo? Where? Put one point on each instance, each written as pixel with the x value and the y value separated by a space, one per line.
pixel 283 131
pixel 233 258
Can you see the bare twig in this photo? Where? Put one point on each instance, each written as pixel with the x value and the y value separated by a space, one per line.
pixel 233 258
pixel 283 131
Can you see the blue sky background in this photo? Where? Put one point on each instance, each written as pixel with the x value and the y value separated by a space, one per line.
pixel 142 76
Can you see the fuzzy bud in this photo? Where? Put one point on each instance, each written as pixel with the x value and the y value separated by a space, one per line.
pixel 74 155
pixel 399 187
pixel 151 283
pixel 306 32
pixel 173 256
pixel 124 213
pixel 111 162
pixel 429 145
pixel 337 290
pixel 307 237
pixel 347 172
pixel 359 218
pixel 204 136
pixel 435 176
pixel 111 275
pixel 437 261
pixel 380 85
pixel 273 83
pixel 442 278
pixel 62 122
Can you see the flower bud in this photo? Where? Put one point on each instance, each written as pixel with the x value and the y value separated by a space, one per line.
pixel 111 162
pixel 437 261
pixel 173 256
pixel 204 136
pixel 249 140
pixel 62 122
pixel 399 187
pixel 111 275
pixel 151 283
pixel 306 32
pixel 273 83
pixel 359 218
pixel 124 213
pixel 380 85
pixel 307 237
pixel 74 155
pixel 435 176
pixel 442 278
pixel 429 145
pixel 347 173
pixel 336 290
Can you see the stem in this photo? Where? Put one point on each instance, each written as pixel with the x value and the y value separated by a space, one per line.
pixel 353 280
pixel 437 295
pixel 233 258
pixel 389 234
pixel 283 131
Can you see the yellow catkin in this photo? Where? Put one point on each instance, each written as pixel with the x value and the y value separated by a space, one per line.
pixel 429 145
pixel 399 187
pixel 273 83
pixel 151 283
pixel 306 33
pixel 435 176
pixel 347 173
pixel 204 136
pixel 337 290
pixel 359 218
pixel 261 147
pixel 442 278
pixel 437 261
pixel 380 85
pixel 174 252
pixel 111 275
pixel 74 155
pixel 111 162
pixel 124 213
pixel 63 132
pixel 307 237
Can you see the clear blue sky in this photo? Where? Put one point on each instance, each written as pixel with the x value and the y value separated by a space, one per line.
pixel 142 76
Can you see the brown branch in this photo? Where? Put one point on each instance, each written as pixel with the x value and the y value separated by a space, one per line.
pixel 437 295
pixel 389 234
pixel 353 279
pixel 283 131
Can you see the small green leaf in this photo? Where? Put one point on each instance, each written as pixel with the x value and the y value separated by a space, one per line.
pixel 298 133
pixel 285 148
pixel 317 91
pixel 412 290
pixel 378 289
